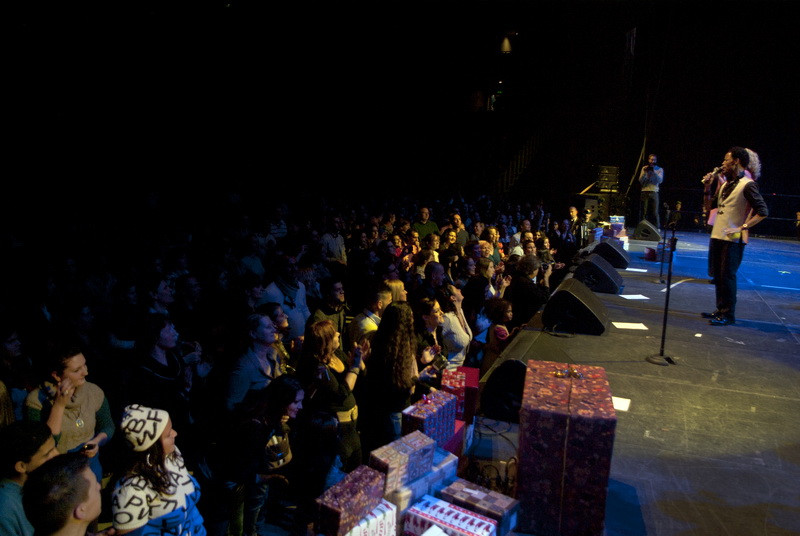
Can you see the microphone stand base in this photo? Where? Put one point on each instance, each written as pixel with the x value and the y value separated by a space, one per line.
pixel 660 360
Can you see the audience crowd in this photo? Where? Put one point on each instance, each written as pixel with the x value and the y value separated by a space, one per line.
pixel 224 370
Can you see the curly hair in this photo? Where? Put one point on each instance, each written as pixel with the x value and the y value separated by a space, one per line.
pixel 755 164
pixel 393 352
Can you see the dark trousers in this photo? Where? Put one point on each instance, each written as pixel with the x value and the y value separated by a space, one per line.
pixel 648 207
pixel 725 258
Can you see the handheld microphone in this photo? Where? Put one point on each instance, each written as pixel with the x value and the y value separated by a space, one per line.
pixel 715 171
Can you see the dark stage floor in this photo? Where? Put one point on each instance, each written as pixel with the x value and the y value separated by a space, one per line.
pixel 709 445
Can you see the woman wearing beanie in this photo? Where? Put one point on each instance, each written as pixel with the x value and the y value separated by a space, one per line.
pixel 155 494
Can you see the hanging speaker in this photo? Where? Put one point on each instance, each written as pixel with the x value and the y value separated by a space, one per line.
pixel 611 250
pixel 646 231
pixel 597 273
pixel 574 308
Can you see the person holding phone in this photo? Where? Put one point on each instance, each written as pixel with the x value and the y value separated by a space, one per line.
pixel 76 410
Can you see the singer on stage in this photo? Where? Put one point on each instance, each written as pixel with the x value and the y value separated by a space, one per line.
pixel 650 178
pixel 739 207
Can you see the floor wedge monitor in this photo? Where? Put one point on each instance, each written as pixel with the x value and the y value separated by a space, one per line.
pixel 574 308
pixel 597 273
pixel 612 250
pixel 646 231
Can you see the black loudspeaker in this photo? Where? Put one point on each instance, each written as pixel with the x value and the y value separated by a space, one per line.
pixel 574 308
pixel 501 396
pixel 646 231
pixel 611 250
pixel 597 273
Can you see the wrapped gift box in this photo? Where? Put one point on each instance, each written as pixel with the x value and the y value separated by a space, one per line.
pixel 567 427
pixel 342 506
pixel 421 450
pixel 456 443
pixel 452 519
pixel 442 473
pixel 434 416
pixel 471 388
pixel 455 382
pixel 434 530
pixel 381 521
pixel 499 507
pixel 404 459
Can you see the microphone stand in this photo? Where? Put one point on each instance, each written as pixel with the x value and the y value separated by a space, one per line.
pixel 664 244
pixel 661 359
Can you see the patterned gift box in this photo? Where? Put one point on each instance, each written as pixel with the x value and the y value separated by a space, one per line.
pixel 343 505
pixel 392 460
pixel 404 459
pixel 456 443
pixel 442 473
pixel 471 390
pixel 567 426
pixel 382 521
pixel 455 382
pixel 434 416
pixel 490 503
pixel 421 450
pixel 452 519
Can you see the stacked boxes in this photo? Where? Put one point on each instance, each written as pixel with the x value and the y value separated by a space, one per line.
pixel 463 382
pixel 452 519
pixel 442 473
pixel 497 506
pixel 434 416
pixel 566 438
pixel 382 521
pixel 404 459
pixel 342 506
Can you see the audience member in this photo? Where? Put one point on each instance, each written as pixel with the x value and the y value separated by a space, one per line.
pixel 456 333
pixel 24 446
pixel 62 497
pixel 76 410
pixel 153 491
pixel 258 365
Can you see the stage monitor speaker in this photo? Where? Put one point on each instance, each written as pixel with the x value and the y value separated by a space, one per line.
pixel 501 396
pixel 646 231
pixel 597 273
pixel 611 250
pixel 574 308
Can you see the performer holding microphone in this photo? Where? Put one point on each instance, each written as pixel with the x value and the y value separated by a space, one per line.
pixel 739 207
pixel 651 176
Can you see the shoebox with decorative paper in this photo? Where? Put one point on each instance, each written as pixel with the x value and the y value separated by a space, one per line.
pixel 404 459
pixel 615 229
pixel 484 501
pixel 381 521
pixel 471 388
pixel 434 416
pixel 442 473
pixel 490 455
pixel 566 437
pixel 342 506
pixel 453 520
pixel 456 443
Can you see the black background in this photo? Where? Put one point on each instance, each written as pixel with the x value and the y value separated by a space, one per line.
pixel 109 102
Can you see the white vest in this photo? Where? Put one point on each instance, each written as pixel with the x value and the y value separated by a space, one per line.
pixel 731 211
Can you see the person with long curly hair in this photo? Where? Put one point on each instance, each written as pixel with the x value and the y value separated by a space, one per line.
pixel 393 380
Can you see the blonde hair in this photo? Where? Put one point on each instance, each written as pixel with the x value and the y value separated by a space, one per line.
pixel 396 286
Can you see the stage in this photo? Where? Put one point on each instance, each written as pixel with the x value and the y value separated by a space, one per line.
pixel 709 445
